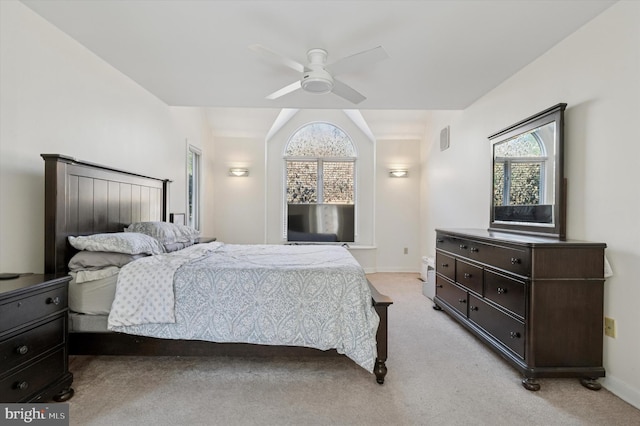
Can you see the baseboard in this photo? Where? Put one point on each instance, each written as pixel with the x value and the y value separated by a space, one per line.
pixel 397 269
pixel 622 390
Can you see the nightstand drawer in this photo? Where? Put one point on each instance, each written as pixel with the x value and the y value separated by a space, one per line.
pixel 30 308
pixel 20 385
pixel 31 343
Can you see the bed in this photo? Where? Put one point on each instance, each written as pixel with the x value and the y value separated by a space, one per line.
pixel 83 199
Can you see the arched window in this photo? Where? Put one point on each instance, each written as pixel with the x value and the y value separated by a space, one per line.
pixel 320 173
pixel 519 171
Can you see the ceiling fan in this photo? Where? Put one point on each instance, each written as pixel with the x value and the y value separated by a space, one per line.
pixel 318 76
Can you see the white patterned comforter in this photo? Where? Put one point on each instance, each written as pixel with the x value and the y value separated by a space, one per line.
pixel 301 295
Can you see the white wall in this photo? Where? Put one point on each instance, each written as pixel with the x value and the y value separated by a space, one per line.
pixel 398 206
pixel 597 72
pixel 57 97
pixel 238 215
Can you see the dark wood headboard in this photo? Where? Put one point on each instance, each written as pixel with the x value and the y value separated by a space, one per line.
pixel 82 198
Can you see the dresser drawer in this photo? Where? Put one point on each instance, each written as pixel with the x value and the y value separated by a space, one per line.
pixel 21 311
pixel 446 265
pixel 455 245
pixel 32 379
pixel 515 259
pixel 503 327
pixel 452 294
pixel 31 343
pixel 512 259
pixel 469 276
pixel 506 292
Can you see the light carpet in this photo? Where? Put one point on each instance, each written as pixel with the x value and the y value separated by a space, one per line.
pixel 439 374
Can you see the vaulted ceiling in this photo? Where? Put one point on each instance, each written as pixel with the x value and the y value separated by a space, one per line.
pixel 442 54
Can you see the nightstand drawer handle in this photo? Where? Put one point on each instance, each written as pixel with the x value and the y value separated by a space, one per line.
pixel 514 334
pixel 22 385
pixel 515 261
pixel 444 265
pixel 462 300
pixel 501 290
pixel 22 350
pixel 473 308
pixel 474 249
pixel 463 247
pixel 53 300
pixel 467 275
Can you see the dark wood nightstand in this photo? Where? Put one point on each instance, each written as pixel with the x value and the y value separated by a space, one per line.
pixel 34 338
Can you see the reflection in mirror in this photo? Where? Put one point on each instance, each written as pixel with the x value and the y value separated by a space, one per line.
pixel 520 176
pixel 527 179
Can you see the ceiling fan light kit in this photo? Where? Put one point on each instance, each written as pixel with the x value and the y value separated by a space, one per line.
pixel 319 82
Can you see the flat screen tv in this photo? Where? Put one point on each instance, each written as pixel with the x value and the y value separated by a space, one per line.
pixel 313 223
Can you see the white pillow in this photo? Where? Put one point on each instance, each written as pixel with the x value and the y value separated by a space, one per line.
pixel 165 232
pixel 119 242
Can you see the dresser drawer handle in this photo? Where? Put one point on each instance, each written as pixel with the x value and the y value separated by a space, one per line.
pixel 463 247
pixel 439 240
pixel 474 249
pixel 444 265
pixel 515 261
pixel 462 300
pixel 467 275
pixel 514 335
pixel 473 308
pixel 501 290
pixel 22 385
pixel 22 350
pixel 53 300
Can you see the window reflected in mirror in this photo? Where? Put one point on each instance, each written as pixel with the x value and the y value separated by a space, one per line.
pixel 521 174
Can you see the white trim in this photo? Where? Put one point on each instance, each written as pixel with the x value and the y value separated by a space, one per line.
pixel 198 189
pixel 622 390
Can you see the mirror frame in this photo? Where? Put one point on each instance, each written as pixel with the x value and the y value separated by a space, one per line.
pixel 558 228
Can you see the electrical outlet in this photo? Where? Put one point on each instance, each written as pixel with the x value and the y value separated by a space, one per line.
pixel 609 327
pixel 406 250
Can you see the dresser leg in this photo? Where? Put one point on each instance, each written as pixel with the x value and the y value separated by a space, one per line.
pixel 64 395
pixel 590 383
pixel 530 384
pixel 437 307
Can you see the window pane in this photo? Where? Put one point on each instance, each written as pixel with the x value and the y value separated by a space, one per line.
pixel 498 184
pixel 302 182
pixel 525 184
pixel 337 182
pixel 526 145
pixel 320 140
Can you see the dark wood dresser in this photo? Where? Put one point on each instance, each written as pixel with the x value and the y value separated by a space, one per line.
pixel 33 339
pixel 536 301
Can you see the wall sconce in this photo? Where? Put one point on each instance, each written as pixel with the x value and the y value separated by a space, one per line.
pixel 398 173
pixel 238 172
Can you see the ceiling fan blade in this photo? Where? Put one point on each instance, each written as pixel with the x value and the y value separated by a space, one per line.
pixel 358 61
pixel 276 57
pixel 347 92
pixel 285 90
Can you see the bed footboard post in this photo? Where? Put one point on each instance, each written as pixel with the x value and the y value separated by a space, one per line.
pixel 380 303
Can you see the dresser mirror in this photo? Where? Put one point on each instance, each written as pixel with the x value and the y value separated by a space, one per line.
pixel 528 185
